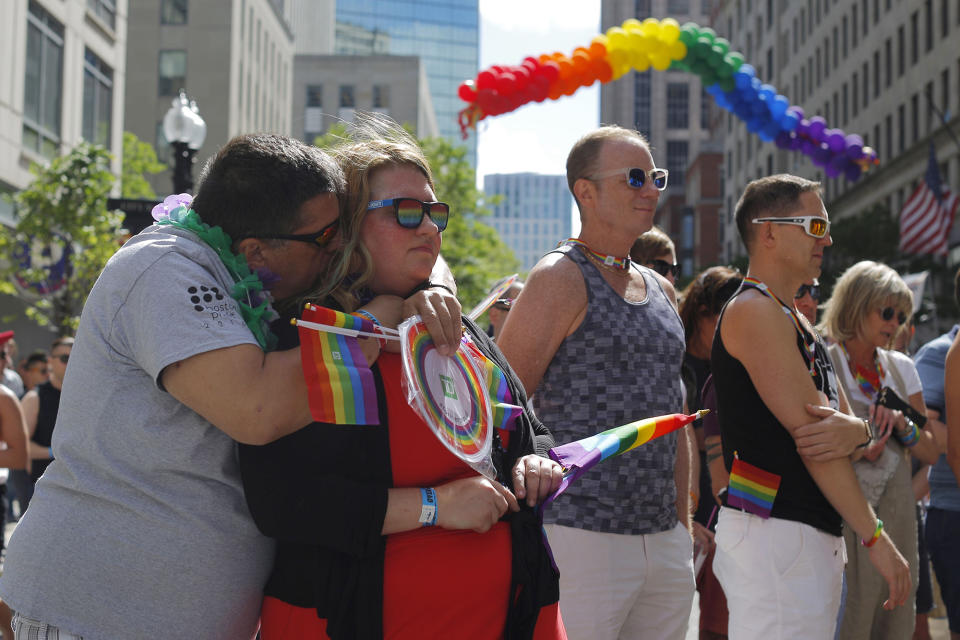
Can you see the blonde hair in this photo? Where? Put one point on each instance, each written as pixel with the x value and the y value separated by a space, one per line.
pixel 862 289
pixel 374 142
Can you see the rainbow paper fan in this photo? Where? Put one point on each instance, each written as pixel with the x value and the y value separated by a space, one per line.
pixel 450 394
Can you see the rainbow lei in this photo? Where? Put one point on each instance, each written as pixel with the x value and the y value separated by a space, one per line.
pixel 809 342
pixel 623 264
pixel 868 380
pixel 248 290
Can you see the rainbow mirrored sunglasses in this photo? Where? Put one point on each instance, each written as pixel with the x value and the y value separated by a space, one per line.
pixel 410 211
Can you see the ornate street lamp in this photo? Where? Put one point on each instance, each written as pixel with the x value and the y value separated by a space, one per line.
pixel 185 130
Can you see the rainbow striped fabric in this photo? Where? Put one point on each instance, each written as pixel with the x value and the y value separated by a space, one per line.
pixel 340 385
pixel 752 489
pixel 501 400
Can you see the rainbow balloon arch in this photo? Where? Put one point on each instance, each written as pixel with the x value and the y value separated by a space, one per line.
pixel 665 45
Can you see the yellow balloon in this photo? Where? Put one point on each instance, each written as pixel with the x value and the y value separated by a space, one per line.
pixel 642 62
pixel 602 39
pixel 659 61
pixel 619 69
pixel 617 39
pixel 651 27
pixel 631 23
pixel 669 30
pixel 678 50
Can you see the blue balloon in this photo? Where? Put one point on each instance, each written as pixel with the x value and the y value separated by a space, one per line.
pixel 778 108
pixel 789 122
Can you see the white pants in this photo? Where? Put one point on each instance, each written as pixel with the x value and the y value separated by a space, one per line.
pixel 619 586
pixel 782 578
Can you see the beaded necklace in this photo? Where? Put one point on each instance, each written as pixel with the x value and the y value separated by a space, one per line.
pixel 809 341
pixel 248 290
pixel 615 263
pixel 868 379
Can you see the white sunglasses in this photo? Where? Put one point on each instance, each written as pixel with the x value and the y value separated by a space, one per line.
pixel 814 226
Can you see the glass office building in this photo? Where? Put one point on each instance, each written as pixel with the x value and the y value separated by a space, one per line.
pixel 444 33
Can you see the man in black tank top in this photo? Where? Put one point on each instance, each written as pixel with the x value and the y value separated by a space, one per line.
pixel 598 343
pixel 787 434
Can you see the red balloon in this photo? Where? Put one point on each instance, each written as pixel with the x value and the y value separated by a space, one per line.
pixel 467 91
pixel 506 83
pixel 486 79
pixel 551 69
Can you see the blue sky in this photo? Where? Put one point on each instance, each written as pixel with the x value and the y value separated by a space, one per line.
pixel 537 136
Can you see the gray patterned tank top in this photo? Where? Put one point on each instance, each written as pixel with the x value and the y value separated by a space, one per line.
pixel 621 364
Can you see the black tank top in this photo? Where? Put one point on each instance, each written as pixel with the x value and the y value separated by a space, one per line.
pixel 49 397
pixel 748 427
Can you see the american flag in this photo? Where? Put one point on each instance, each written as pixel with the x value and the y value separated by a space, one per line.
pixel 928 214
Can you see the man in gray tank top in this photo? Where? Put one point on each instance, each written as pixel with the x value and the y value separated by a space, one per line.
pixel 598 343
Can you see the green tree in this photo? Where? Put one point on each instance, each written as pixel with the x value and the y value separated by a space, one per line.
pixel 139 161
pixel 476 254
pixel 63 209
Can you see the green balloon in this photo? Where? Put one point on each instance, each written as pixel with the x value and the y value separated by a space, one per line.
pixel 735 59
pixel 688 36
pixel 709 33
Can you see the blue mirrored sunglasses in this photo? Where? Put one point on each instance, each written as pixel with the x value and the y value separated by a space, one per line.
pixel 637 177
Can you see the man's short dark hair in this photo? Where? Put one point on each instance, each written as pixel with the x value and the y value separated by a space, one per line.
pixel 36 356
pixel 256 184
pixel 777 195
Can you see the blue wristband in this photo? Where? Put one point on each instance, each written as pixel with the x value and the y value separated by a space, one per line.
pixel 428 507
pixel 369 316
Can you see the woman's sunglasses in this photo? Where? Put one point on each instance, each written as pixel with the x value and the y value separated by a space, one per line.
pixel 663 268
pixel 410 211
pixel 636 177
pixel 887 314
pixel 814 226
pixel 812 289
pixel 503 304
pixel 321 238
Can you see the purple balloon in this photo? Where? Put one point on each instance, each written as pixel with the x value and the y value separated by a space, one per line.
pixel 852 172
pixel 831 171
pixel 817 128
pixel 807 147
pixel 836 140
pixel 821 156
pixel 783 140
pixel 854 146
pixel 797 110
pixel 803 128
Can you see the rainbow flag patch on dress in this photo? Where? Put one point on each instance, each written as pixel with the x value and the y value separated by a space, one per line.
pixel 752 489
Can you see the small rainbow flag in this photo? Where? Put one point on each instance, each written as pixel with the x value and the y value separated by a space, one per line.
pixel 752 489
pixel 501 400
pixel 340 385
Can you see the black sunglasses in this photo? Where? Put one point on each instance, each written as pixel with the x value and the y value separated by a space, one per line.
pixel 63 358
pixel 887 314
pixel 503 304
pixel 321 238
pixel 663 268
pixel 410 211
pixel 812 289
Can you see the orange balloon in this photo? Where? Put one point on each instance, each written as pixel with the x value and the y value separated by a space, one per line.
pixel 598 49
pixel 556 90
pixel 604 72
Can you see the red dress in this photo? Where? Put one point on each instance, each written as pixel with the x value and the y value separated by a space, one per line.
pixel 437 582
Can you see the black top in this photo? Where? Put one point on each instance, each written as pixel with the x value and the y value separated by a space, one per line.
pixel 49 405
pixel 748 427
pixel 322 493
pixel 695 373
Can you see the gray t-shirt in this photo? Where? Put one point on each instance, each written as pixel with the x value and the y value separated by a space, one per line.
pixel 139 528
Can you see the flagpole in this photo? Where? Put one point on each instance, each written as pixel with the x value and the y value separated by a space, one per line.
pixel 943 118
pixel 353 333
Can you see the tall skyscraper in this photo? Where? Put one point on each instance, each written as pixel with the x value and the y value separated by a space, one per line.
pixel 672 110
pixel 888 71
pixel 444 34
pixel 534 214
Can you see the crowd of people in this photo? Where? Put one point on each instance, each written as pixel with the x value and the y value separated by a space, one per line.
pixel 188 491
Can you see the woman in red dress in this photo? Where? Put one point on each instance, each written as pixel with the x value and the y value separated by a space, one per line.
pixel 360 552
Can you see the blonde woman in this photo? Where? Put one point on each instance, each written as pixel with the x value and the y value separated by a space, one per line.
pixel 870 303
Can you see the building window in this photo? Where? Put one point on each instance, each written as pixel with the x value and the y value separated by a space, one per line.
pixel 677 161
pixel 901 52
pixel 678 105
pixel 106 10
pixel 844 102
pixel 888 51
pixel 866 22
pixel 173 72
pixel 945 18
pixel 313 112
pixel 901 128
pixel 173 12
pixel 314 95
pixel 944 90
pixel 641 102
pixel 642 8
pixel 855 85
pixel 347 97
pixel 876 73
pixel 381 96
pixel 888 148
pixel 928 91
pixel 678 7
pixel 43 82
pixel 704 109
pixel 853 27
pixel 914 38
pixel 97 99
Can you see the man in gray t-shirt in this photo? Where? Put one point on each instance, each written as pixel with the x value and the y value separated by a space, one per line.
pixel 139 528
